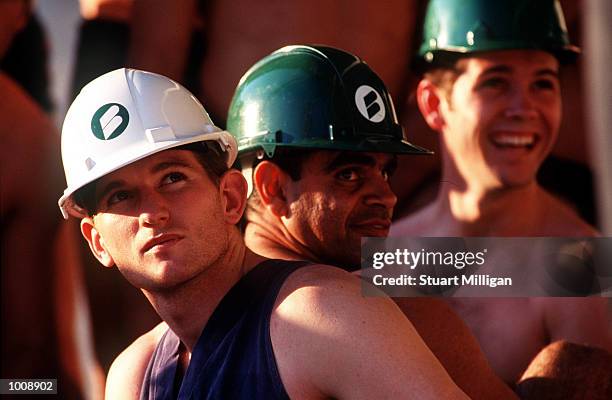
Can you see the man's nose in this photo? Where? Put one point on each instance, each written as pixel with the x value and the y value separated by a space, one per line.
pixel 521 105
pixel 379 193
pixel 155 210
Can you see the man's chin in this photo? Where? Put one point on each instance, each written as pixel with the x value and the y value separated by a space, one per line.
pixel 516 175
pixel 370 231
pixel 516 181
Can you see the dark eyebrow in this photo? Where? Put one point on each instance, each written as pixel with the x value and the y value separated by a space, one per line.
pixel 497 69
pixel 351 158
pixel 169 164
pixel 348 158
pixel 112 185
pixel 505 69
pixel 548 72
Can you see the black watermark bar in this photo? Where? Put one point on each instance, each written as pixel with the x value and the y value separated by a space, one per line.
pixel 28 386
pixel 487 267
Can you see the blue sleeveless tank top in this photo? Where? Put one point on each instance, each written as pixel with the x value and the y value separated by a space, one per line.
pixel 233 357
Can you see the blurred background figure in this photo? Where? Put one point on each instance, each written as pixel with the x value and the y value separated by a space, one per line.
pixel 567 172
pixel 25 59
pixel 496 105
pixel 103 40
pixel 236 34
pixel 45 321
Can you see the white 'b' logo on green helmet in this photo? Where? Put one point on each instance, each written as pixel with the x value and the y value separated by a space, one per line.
pixel 369 103
pixel 109 121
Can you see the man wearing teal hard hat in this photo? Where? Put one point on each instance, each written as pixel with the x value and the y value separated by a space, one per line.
pixel 320 108
pixel 490 88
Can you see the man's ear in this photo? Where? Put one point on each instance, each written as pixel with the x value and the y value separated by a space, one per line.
pixel 233 190
pixel 269 180
pixel 429 100
pixel 96 242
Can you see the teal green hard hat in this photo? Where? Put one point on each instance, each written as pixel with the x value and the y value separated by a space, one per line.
pixel 314 97
pixel 455 27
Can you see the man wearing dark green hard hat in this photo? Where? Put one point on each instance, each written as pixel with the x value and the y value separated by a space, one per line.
pixel 491 90
pixel 287 108
pixel 318 137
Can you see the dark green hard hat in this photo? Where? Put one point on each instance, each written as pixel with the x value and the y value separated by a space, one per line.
pixel 455 27
pixel 314 97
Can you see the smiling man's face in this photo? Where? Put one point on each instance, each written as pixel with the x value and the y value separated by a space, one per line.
pixel 502 116
pixel 339 198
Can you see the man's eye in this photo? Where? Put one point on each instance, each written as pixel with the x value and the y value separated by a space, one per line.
pixel 172 178
pixel 493 83
pixel 348 175
pixel 544 84
pixel 117 197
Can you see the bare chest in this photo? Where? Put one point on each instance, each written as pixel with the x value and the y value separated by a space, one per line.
pixel 510 331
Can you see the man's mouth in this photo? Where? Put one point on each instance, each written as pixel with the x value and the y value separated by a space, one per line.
pixel 514 140
pixel 160 242
pixel 372 227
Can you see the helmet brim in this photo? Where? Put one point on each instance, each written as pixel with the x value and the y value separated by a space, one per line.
pixel 391 146
pixel 447 57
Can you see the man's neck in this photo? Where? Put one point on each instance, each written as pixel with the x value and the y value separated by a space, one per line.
pixel 517 211
pixel 187 308
pixel 267 236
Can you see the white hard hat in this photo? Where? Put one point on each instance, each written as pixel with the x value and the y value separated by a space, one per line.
pixel 124 116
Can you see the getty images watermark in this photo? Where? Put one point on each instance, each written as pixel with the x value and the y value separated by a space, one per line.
pixel 487 267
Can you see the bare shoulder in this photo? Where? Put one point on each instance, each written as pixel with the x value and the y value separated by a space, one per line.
pixel 368 347
pixel 316 286
pixel 127 371
pixel 317 276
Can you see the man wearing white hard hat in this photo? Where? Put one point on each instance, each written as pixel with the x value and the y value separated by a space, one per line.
pixel 148 175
